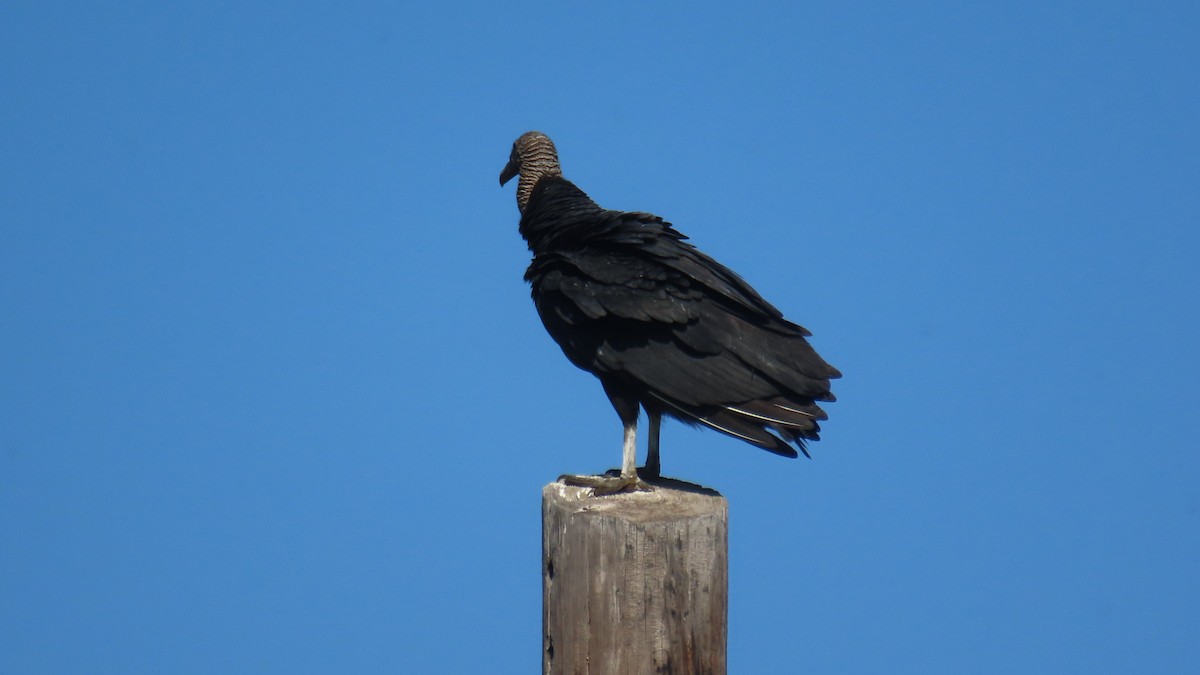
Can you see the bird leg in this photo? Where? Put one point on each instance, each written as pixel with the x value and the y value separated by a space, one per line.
pixel 653 468
pixel 608 484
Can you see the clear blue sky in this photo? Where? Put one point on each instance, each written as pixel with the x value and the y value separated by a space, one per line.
pixel 274 398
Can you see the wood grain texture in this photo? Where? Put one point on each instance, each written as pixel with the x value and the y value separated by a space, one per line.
pixel 634 583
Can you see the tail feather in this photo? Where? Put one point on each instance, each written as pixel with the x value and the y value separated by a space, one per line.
pixel 771 424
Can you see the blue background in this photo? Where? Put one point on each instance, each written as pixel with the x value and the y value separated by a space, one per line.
pixel 274 398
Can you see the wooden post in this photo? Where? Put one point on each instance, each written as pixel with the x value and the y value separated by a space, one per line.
pixel 634 583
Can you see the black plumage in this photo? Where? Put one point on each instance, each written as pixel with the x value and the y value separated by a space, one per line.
pixel 662 325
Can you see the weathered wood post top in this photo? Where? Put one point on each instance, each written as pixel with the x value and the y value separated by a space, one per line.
pixel 635 582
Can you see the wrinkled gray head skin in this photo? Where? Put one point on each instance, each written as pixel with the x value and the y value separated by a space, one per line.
pixel 533 157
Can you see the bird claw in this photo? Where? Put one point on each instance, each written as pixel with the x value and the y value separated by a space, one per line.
pixel 608 484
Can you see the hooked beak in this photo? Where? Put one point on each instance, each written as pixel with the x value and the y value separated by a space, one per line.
pixel 511 169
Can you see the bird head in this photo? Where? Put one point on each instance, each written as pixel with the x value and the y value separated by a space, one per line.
pixel 533 157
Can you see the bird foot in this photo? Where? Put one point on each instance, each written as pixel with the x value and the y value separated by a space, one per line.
pixel 608 484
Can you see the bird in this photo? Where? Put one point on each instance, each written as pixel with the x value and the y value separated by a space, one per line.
pixel 663 326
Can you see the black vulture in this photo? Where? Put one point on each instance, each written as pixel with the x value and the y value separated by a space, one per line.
pixel 662 325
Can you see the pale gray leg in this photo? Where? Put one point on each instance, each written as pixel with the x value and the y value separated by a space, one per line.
pixel 629 452
pixel 628 481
